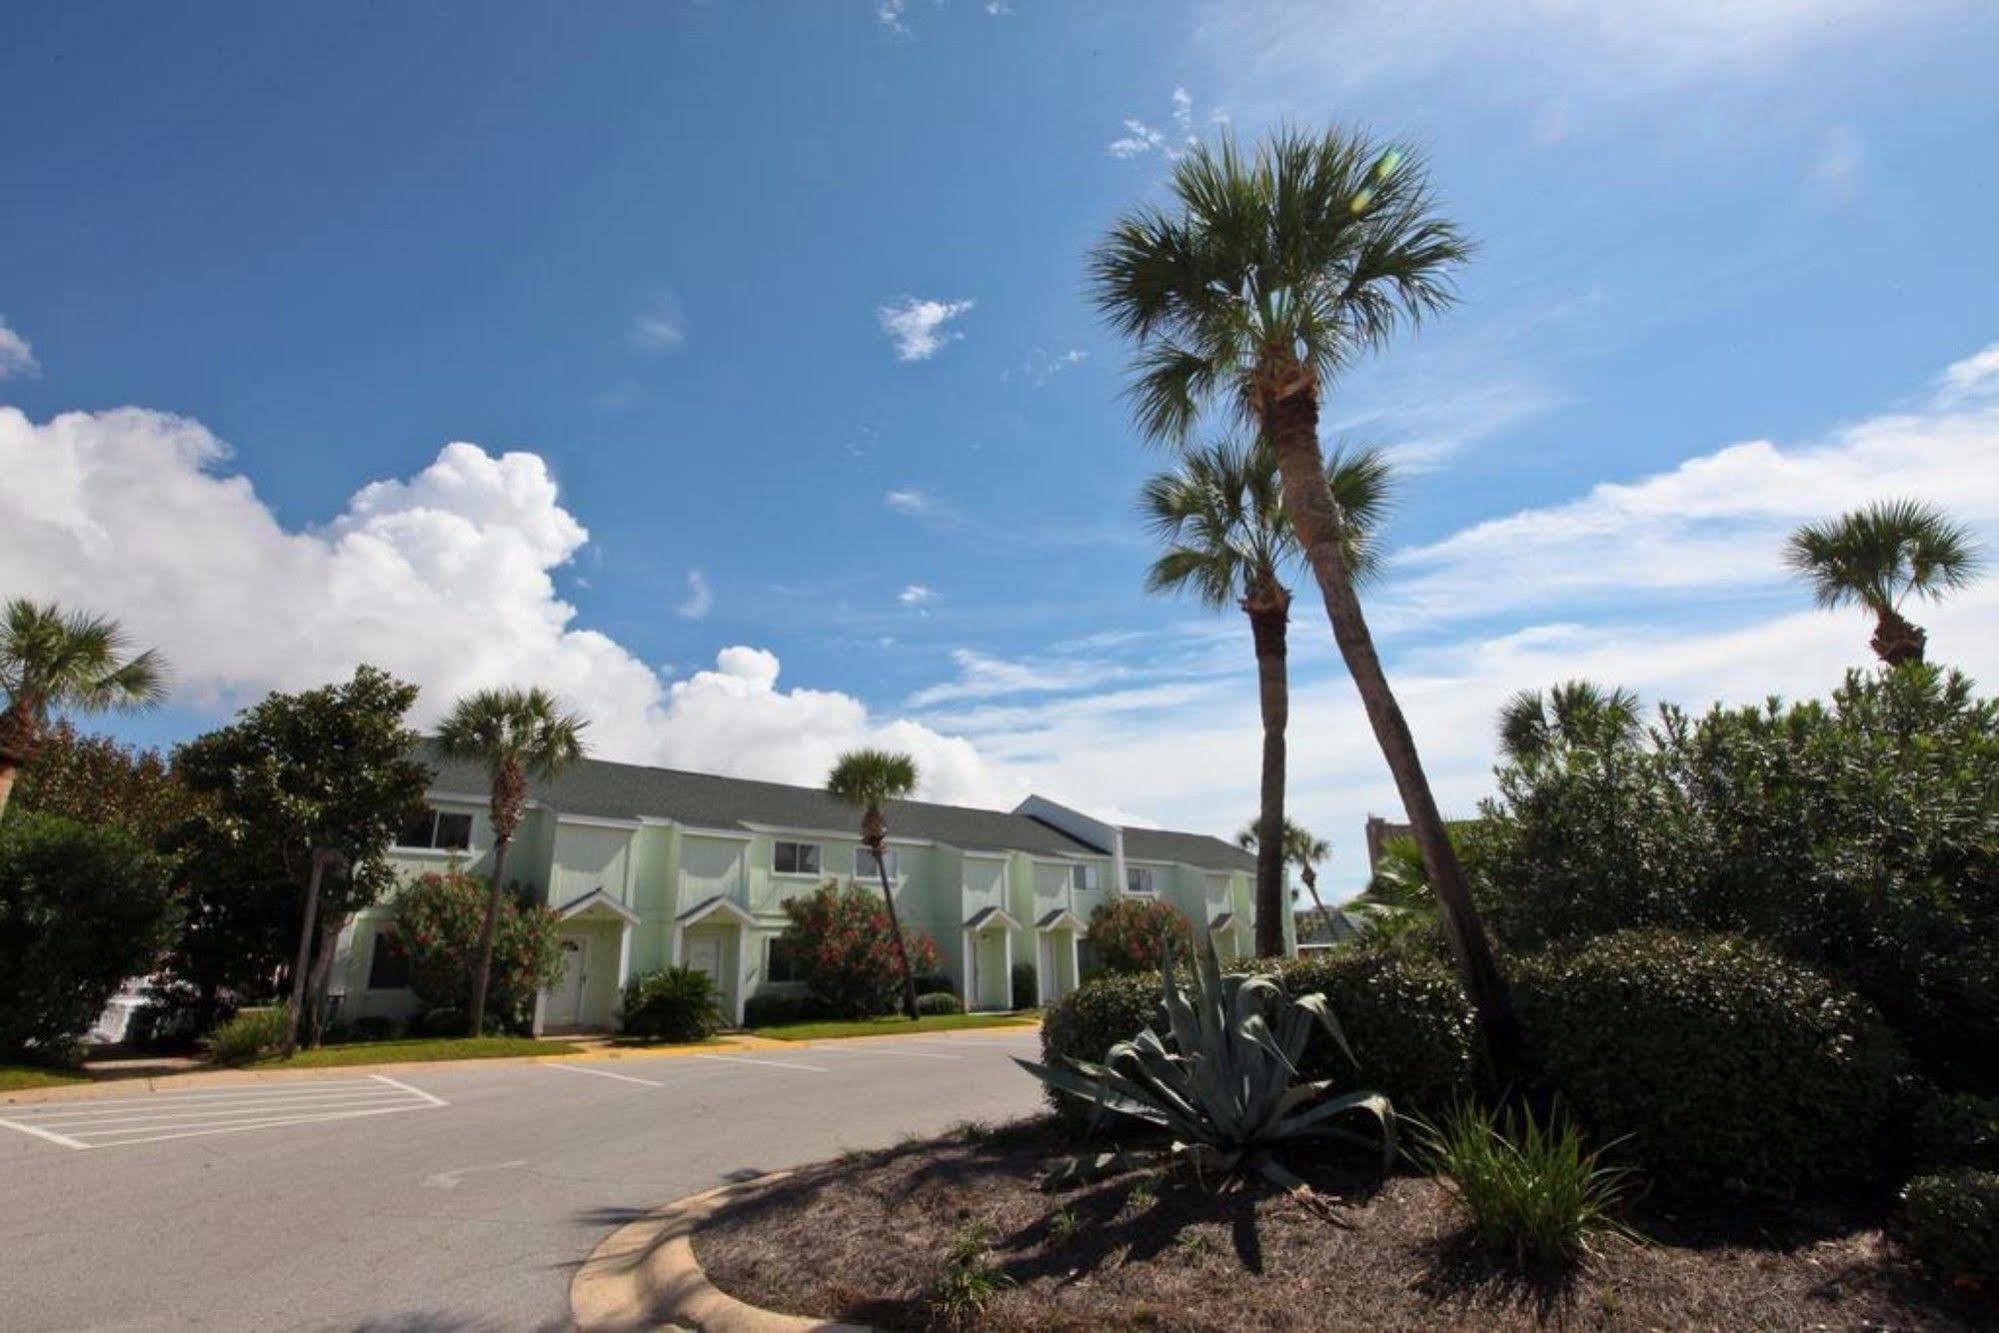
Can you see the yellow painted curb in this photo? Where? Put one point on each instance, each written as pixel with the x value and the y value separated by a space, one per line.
pixel 645 1275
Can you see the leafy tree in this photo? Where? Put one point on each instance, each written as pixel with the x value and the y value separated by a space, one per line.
pixel 871 779
pixel 238 915
pixel 1133 934
pixel 1221 517
pixel 324 778
pixel 1859 835
pixel 96 780
pixel 1270 274
pixel 443 922
pixel 850 952
pixel 55 660
pixel 517 735
pixel 1574 714
pixel 1877 558
pixel 81 909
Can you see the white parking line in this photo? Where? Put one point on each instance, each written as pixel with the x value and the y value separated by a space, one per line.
pixel 879 1048
pixel 108 1123
pixel 763 1064
pixel 604 1073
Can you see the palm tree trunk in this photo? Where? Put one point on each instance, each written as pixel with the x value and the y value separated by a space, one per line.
pixel 1267 628
pixel 475 1019
pixel 895 933
pixel 319 857
pixel 1312 886
pixel 1292 424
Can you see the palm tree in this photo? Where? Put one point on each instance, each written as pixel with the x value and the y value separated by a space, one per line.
pixel 1271 275
pixel 870 779
pixel 1300 848
pixel 1221 515
pixel 51 659
pixel 516 734
pixel 1880 556
pixel 1574 715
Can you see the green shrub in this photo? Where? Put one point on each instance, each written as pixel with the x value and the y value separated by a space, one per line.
pixel 1535 1193
pixel 1955 1129
pixel 1952 1223
pixel 776 1008
pixel 934 983
pixel 1026 986
pixel 1084 1024
pixel 81 909
pixel 1718 1057
pixel 672 1004
pixel 1405 1016
pixel 1859 836
pixel 939 1002
pixel 375 1027
pixel 844 950
pixel 445 1021
pixel 439 917
pixel 250 1035
pixel 1131 934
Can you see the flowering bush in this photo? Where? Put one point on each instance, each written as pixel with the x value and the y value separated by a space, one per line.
pixel 845 953
pixel 1128 934
pixel 438 918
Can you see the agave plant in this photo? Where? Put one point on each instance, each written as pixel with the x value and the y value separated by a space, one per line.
pixel 1223 1080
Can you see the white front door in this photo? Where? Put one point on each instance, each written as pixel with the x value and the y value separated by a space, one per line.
pixel 704 954
pixel 564 1002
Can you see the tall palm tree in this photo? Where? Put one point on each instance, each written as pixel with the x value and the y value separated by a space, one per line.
pixel 52 659
pixel 517 734
pixel 1221 516
pixel 1574 715
pixel 871 779
pixel 1299 848
pixel 1879 557
pixel 1271 274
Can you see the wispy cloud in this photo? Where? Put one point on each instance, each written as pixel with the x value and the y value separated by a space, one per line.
pixel 700 599
pixel 1041 365
pixel 1171 140
pixel 916 325
pixel 661 326
pixel 916 595
pixel 917 503
pixel 17 358
pixel 1838 168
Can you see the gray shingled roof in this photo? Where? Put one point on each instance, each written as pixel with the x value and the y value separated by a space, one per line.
pixel 1194 849
pixel 627 791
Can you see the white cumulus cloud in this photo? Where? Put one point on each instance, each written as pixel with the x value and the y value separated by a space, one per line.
pixel 916 325
pixel 444 578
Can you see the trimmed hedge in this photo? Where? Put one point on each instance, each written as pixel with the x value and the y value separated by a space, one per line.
pixel 1718 1057
pixel 776 1008
pixel 250 1035
pixel 938 1002
pixel 1404 1015
pixel 1952 1223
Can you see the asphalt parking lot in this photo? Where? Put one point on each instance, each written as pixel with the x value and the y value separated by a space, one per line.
pixel 440 1197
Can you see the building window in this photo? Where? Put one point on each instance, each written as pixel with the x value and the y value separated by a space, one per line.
pixel 779 963
pixel 864 864
pixel 1083 878
pixel 389 966
pixel 442 830
pixel 795 858
pixel 1138 879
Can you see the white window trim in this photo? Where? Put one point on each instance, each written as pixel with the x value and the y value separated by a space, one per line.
pixel 818 847
pixel 1086 869
pixel 431 848
pixel 1151 872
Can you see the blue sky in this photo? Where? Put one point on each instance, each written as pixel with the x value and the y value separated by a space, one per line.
pixel 781 306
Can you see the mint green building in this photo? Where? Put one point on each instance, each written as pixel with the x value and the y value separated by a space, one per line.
pixel 647 867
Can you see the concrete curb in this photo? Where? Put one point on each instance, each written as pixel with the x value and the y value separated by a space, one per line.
pixel 645 1275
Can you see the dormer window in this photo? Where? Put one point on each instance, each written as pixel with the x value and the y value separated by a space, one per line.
pixel 795 858
pixel 1139 879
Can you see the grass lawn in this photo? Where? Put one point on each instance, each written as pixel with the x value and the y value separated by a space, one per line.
pixel 15 1077
pixel 890 1025
pixel 418 1048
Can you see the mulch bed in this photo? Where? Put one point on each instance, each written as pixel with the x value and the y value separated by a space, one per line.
pixel 863 1239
